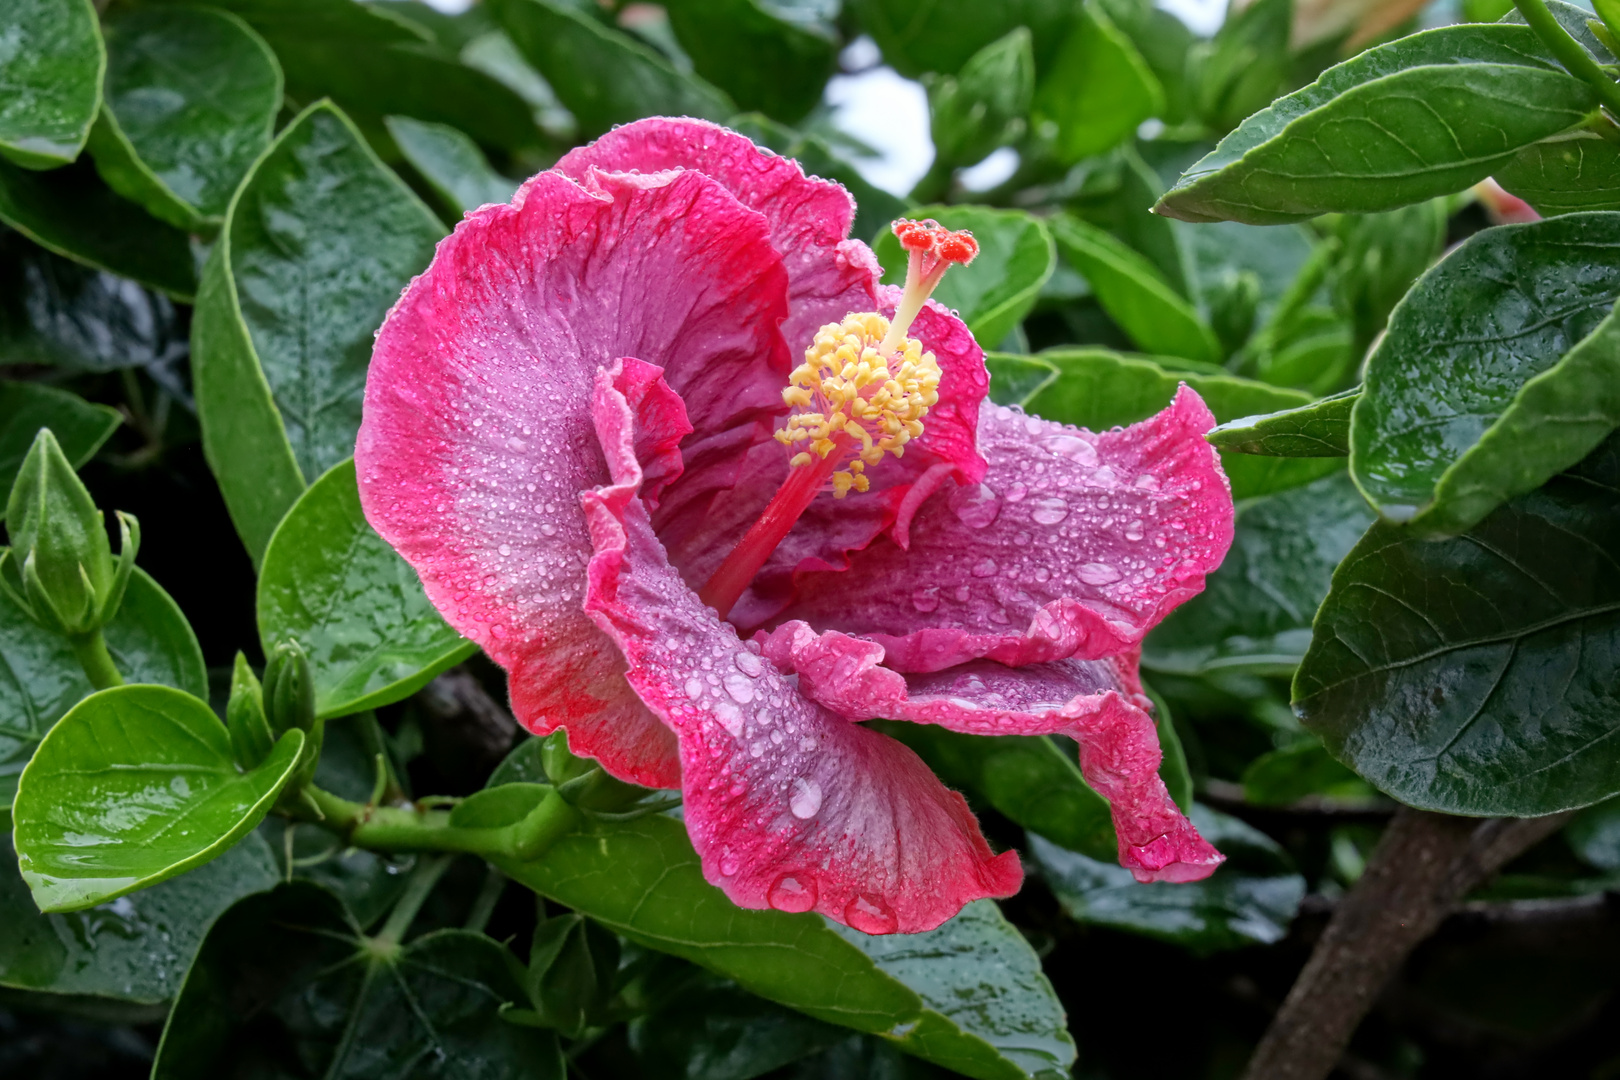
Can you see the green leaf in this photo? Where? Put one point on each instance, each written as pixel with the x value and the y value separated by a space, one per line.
pixel 1218 251
pixel 712 1029
pixel 642 880
pixel 1297 772
pixel 994 292
pixel 1576 171
pixel 941 36
pixel 40 679
pixel 1383 254
pixel 73 213
pixel 1250 900
pixel 136 948
pixel 769 55
pixel 319 241
pixel 451 163
pixel 874 207
pixel 80 427
pixel 1098 91
pixel 1476 675
pixel 53 311
pixel 1427 115
pixel 1319 429
pixel 1500 368
pixel 987 104
pixel 51 68
pixel 330 583
pixel 1594 835
pixel 285 976
pixel 349 20
pixel 135 785
pixel 1135 295
pixel 1244 66
pixel 191 98
pixel 1015 378
pixel 1098 389
pixel 604 77
pixel 1255 611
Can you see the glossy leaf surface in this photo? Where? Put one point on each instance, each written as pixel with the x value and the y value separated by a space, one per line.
pixel 40 679
pixel 73 213
pixel 995 291
pixel 452 164
pixel 642 880
pixel 1251 899
pixel 134 786
pixel 136 948
pixel 1099 91
pixel 1449 423
pixel 1098 389
pixel 1566 174
pixel 1320 429
pixel 286 974
pixel 603 76
pixel 191 96
pixel 51 69
pixel 1475 675
pixel 1145 305
pixel 1255 611
pixel 79 426
pixel 1427 115
pixel 330 583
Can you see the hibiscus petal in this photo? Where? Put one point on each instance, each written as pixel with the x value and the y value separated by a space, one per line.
pixel 478 437
pixel 1099 703
pixel 829 276
pixel 789 805
pixel 1076 544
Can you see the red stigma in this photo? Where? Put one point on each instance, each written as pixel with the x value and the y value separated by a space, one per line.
pixel 957 247
pixel 929 237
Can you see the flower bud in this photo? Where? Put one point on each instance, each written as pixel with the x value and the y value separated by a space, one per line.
pixel 289 702
pixel 572 965
pixel 251 739
pixel 60 569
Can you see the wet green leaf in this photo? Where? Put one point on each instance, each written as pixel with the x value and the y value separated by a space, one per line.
pixel 351 20
pixel 1427 115
pixel 136 948
pixel 73 213
pixel 1098 91
pixel 1256 609
pixel 191 97
pixel 451 163
pixel 135 785
pixel 320 239
pixel 603 76
pixel 1014 379
pixel 80 427
pixel 330 583
pixel 942 35
pixel 286 977
pixel 1098 389
pixel 1501 368
pixel 1319 429
pixel 713 1030
pixel 985 106
pixel 1134 293
pixel 1250 900
pixel 767 54
pixel 1475 675
pixel 995 291
pixel 51 69
pixel 1288 775
pixel 642 880
pixel 1382 255
pixel 1576 171
pixel 1243 66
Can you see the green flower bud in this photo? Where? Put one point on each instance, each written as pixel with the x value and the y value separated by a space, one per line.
pixel 560 763
pixel 251 739
pixel 60 568
pixel 289 702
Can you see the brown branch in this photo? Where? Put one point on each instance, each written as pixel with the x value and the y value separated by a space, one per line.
pixel 1424 865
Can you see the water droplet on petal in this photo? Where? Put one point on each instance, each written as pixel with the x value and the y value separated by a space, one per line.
pixel 728 864
pixel 505 549
pixel 975 504
pixel 984 568
pixel 694 689
pixel 793 892
pixel 1049 511
pixel 1096 573
pixel 870 916
pixel 925 599
pixel 740 687
pixel 749 664
pixel 730 717
pixel 1016 493
pixel 1134 531
pixel 1072 447
pixel 805 802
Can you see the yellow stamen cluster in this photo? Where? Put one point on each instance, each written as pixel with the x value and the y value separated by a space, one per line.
pixel 848 386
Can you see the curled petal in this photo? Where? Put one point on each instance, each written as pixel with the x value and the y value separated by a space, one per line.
pixel 809 218
pixel 478 434
pixel 789 805
pixel 1097 702
pixel 1074 545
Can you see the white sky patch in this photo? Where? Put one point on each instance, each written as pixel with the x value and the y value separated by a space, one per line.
pixel 995 169
pixel 1201 16
pixel 890 114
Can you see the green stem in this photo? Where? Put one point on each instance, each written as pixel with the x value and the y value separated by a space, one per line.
pixel 484 904
pixel 1569 52
pixel 423 878
pixel 401 829
pixel 91 649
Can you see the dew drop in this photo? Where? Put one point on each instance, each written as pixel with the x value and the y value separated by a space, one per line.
pixel 1134 531
pixel 728 864
pixel 505 549
pixel 1072 447
pixel 962 593
pixel 793 892
pixel 548 528
pixel 984 568
pixel 1096 573
pixel 925 599
pixel 749 664
pixel 805 802
pixel 1049 511
pixel 694 689
pixel 975 505
pixel 1016 493
pixel 740 687
pixel 870 916
pixel 730 717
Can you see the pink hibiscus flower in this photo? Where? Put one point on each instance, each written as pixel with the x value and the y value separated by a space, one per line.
pixel 574 430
